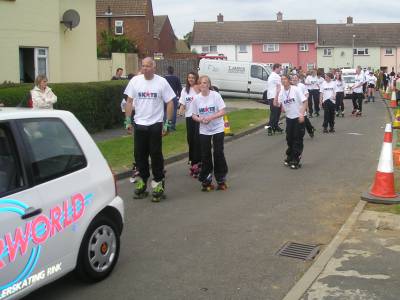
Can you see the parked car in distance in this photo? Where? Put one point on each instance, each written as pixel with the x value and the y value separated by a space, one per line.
pixel 237 79
pixel 348 76
pixel 59 208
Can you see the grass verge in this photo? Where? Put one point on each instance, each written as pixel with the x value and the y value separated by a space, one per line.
pixel 118 151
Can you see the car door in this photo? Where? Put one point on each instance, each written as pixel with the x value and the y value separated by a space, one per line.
pixel 55 162
pixel 21 261
pixel 257 81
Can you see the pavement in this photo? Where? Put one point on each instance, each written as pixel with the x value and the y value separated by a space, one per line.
pixel 222 245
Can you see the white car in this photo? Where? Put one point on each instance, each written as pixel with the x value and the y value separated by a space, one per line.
pixel 349 81
pixel 59 208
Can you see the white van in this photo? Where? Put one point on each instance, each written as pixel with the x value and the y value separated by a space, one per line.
pixel 237 79
pixel 348 77
pixel 59 208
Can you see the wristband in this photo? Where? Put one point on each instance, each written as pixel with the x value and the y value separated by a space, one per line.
pixel 127 121
pixel 167 125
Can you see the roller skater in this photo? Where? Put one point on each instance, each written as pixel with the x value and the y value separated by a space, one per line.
pixel 358 93
pixel 275 112
pixel 149 92
pixel 208 109
pixel 311 83
pixel 309 127
pixel 158 190
pixel 339 95
pixel 294 103
pixel 328 101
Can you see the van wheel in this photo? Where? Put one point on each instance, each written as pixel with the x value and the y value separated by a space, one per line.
pixel 99 250
pixel 214 88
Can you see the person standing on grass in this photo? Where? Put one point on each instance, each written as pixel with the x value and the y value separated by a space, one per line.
pixel 192 127
pixel 311 83
pixel 176 86
pixel 339 94
pixel 294 104
pixel 209 109
pixel 147 93
pixel 328 102
pixel 274 80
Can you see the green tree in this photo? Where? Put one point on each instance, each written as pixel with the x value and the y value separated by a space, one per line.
pixel 188 37
pixel 111 43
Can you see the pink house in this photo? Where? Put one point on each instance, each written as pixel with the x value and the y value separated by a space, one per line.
pixel 289 42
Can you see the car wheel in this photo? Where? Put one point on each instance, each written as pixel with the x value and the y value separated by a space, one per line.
pixel 99 250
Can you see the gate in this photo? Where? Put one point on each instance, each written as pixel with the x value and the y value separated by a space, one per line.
pixel 181 67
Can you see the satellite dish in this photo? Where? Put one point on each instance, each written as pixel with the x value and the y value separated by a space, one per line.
pixel 71 19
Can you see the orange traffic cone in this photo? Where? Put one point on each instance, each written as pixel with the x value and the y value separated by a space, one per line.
pixel 227 127
pixel 382 190
pixel 393 101
pixel 387 93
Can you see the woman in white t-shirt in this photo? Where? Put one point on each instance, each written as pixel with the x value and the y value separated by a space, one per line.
pixel 192 127
pixel 328 102
pixel 208 109
pixel 339 94
pixel 371 81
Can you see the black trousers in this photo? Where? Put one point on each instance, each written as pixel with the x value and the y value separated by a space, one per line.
pixel 275 114
pixel 313 98
pixel 357 101
pixel 329 114
pixel 216 142
pixel 339 101
pixel 148 142
pixel 294 137
pixel 193 140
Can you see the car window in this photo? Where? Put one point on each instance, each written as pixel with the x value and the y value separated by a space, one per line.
pixel 259 72
pixel 10 171
pixel 349 79
pixel 53 149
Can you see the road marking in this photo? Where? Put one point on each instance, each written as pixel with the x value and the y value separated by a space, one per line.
pixel 355 133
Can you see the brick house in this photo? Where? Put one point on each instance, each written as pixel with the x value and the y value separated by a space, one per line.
pixel 164 36
pixel 131 18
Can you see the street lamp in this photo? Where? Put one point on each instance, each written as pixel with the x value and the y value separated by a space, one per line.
pixel 354 36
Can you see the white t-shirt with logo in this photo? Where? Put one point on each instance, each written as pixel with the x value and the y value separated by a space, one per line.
pixel 273 80
pixel 304 90
pixel 328 90
pixel 292 101
pixel 321 80
pixel 359 79
pixel 149 97
pixel 205 106
pixel 312 82
pixel 339 86
pixel 371 79
pixel 187 100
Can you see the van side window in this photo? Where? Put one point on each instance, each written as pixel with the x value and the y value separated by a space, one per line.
pixel 10 170
pixel 258 72
pixel 54 150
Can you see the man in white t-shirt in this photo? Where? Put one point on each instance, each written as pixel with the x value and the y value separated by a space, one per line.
pixel 357 89
pixel 312 85
pixel 274 80
pixel 294 104
pixel 147 94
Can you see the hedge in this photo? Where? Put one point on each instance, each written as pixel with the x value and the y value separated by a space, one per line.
pixel 95 104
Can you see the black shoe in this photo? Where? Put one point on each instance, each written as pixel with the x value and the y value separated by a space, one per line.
pixel 311 133
pixel 295 165
pixel 317 114
pixel 278 129
pixel 269 131
pixel 332 130
pixel 286 162
pixel 337 114
pixel 325 130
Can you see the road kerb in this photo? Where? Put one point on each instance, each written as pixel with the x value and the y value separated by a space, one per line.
pixel 318 266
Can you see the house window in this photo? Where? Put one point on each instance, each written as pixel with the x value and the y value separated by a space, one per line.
pixel 209 49
pixel 270 47
pixel 119 27
pixel 303 47
pixel 213 49
pixel 327 51
pixel 242 48
pixel 360 51
pixel 389 51
pixel 310 67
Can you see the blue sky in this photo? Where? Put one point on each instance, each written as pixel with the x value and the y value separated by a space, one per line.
pixel 183 13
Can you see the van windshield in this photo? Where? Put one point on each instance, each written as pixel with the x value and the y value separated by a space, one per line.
pixel 349 79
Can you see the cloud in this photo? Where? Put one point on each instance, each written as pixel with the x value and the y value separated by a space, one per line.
pixel 183 13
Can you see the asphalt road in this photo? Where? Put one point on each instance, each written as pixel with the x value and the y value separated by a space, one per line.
pixel 222 245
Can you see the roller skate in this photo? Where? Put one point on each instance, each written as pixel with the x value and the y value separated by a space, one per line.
pixel 358 113
pixel 140 188
pixel 207 185
pixel 269 130
pixel 135 173
pixel 286 162
pixel 317 114
pixel 332 130
pixel 337 114
pixel 278 130
pixel 295 165
pixel 342 113
pixel 158 190
pixel 354 112
pixel 325 130
pixel 311 133
pixel 195 170
pixel 221 185
pixel 310 115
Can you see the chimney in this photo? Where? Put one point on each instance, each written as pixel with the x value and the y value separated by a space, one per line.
pixel 220 18
pixel 279 16
pixel 349 21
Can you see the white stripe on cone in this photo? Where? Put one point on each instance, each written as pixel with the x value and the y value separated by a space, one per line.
pixel 386 159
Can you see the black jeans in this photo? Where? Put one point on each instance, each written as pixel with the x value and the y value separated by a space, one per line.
pixel 329 114
pixel 148 142
pixel 339 101
pixel 357 101
pixel 294 137
pixel 193 140
pixel 220 167
pixel 274 115
pixel 313 98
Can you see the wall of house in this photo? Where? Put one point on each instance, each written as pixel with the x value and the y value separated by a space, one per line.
pixel 166 41
pixel 343 57
pixel 288 53
pixel 34 23
pixel 389 61
pixel 230 51
pixel 107 67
